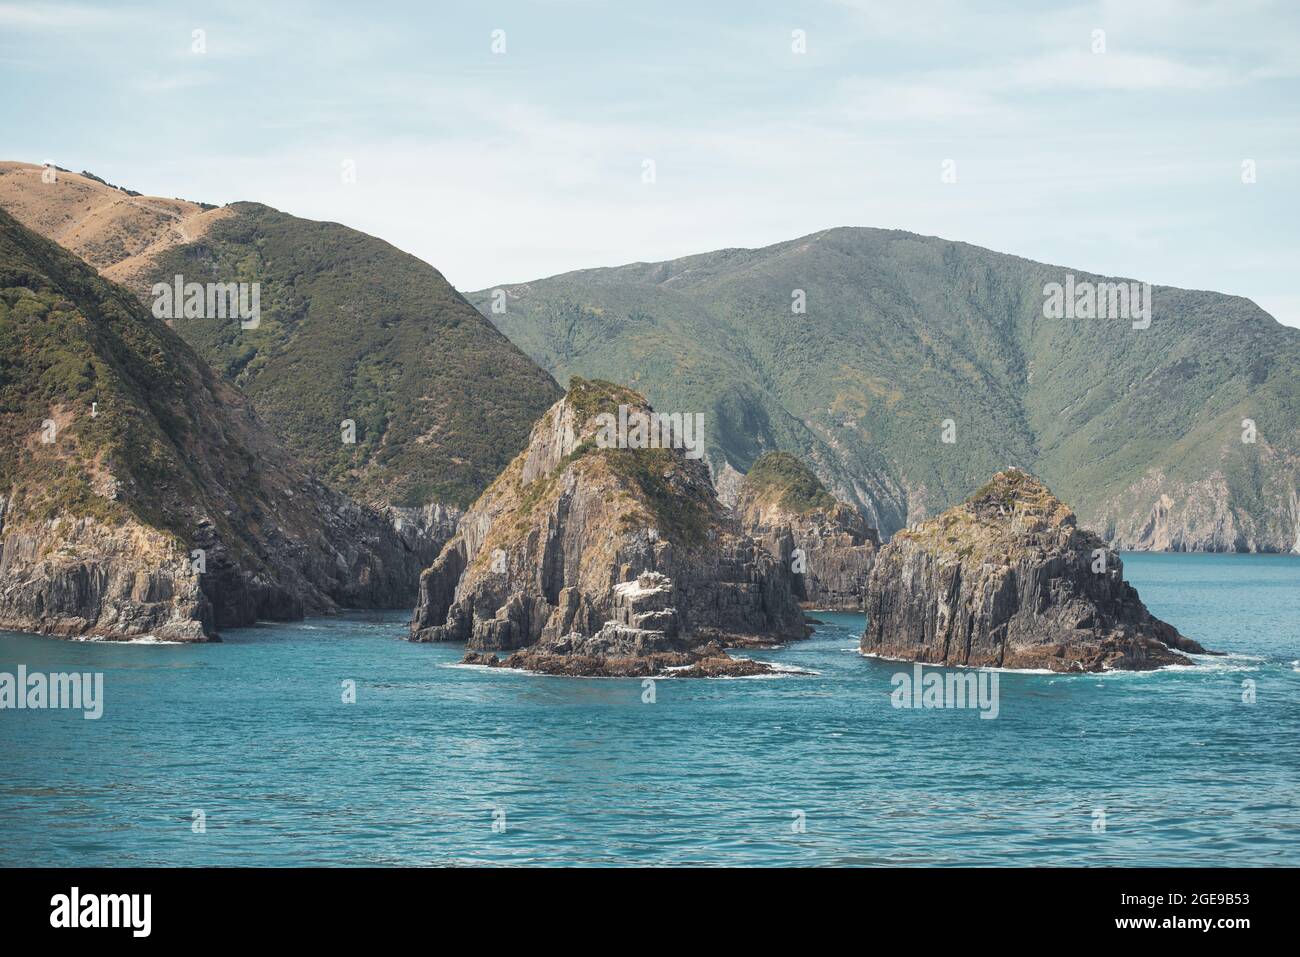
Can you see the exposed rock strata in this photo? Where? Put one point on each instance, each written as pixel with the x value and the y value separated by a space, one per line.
pixel 424 530
pixel 727 481
pixel 1006 579
pixel 1205 515
pixel 76 576
pixel 782 502
pixel 593 560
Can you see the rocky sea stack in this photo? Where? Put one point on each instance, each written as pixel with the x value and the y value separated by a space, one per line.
pixel 1007 579
pixel 782 502
pixel 584 559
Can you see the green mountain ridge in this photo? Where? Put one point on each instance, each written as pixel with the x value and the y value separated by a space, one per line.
pixel 1139 429
pixel 354 329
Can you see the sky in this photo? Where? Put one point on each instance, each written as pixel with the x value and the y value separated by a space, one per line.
pixel 1111 137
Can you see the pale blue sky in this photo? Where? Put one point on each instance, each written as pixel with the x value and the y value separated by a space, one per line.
pixel 506 167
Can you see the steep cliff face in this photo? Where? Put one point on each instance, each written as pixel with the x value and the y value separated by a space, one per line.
pixel 827 543
pixel 604 560
pixel 142 495
pixel 1007 579
pixel 78 576
pixel 425 529
pixel 1208 515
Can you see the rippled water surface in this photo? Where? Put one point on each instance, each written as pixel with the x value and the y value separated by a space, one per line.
pixel 253 733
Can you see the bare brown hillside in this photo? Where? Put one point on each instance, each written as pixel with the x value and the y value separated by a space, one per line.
pixel 119 234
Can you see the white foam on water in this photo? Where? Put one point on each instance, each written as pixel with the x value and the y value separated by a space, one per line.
pixel 473 667
pixel 779 668
pixel 1220 664
pixel 140 640
pixel 931 664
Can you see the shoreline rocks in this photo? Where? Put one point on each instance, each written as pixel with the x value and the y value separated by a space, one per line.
pixel 1007 579
pixel 709 663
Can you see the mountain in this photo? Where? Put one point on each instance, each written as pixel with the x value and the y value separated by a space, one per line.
pixel 594 554
pixel 139 493
pixel 350 329
pixel 1008 580
pixel 907 340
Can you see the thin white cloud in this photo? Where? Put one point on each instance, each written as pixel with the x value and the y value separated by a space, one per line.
pixel 1084 70
pixel 49 16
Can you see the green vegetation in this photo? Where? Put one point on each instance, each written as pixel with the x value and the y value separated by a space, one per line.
pixel 680 504
pixel 1007 493
pixel 1010 489
pixel 352 328
pixel 538 490
pixel 800 490
pixel 121 189
pixel 681 507
pixel 591 397
pixel 145 433
pixel 72 344
pixel 682 510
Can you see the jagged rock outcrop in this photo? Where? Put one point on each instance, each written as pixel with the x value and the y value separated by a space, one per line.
pixel 78 576
pixel 727 482
pixel 1007 579
pixel 827 542
pixel 587 559
pixel 140 494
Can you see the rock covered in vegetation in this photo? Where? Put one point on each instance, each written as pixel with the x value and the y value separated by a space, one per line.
pixel 781 501
pixel 1007 579
pixel 140 494
pixel 584 559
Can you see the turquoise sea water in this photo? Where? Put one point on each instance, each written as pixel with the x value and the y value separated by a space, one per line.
pixel 253 733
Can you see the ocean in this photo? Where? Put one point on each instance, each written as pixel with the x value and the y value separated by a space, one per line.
pixel 245 752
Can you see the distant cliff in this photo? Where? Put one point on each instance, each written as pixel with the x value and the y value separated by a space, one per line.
pixel 1007 579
